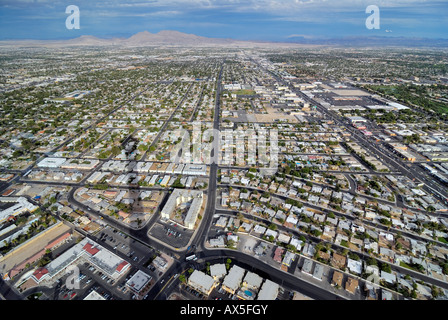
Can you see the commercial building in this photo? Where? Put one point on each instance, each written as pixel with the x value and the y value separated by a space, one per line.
pixel 80 164
pixel 51 162
pixel 356 119
pixel 202 282
pixel 22 205
pixel 195 170
pixel 139 283
pixel 86 250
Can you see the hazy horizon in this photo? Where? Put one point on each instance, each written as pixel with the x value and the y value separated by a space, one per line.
pixel 262 20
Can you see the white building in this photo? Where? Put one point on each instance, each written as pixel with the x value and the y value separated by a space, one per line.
pixel 269 291
pixel 88 250
pixel 195 170
pixel 218 270
pixel 202 282
pixel 181 197
pixel 139 282
pixel 233 280
pixel 22 205
pixel 51 162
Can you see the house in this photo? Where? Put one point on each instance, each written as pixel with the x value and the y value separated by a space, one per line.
pixel 296 243
pixel 351 285
pixel 270 233
pixel 337 279
pixel 309 250
pixel 278 254
pixel 307 266
pixel 324 255
pixel 288 259
pixel 354 266
pixel 388 277
pixel 318 272
pixel 338 261
pixel 370 292
pixel 387 254
pixel 356 241
pixel 372 269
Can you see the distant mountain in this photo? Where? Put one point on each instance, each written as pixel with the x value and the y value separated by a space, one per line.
pixel 141 39
pixel 176 38
pixel 376 41
pixel 169 37
pixel 88 41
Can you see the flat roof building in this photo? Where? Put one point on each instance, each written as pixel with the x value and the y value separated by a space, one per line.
pixel 252 281
pixel 181 198
pixel 233 280
pixel 139 283
pixel 307 266
pixel 202 282
pixel 218 270
pixel 51 162
pixel 109 263
pixel 357 119
pixel 269 291
pixel 318 272
pixel 22 205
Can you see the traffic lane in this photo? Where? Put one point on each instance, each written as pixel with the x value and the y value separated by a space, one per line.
pixel 8 292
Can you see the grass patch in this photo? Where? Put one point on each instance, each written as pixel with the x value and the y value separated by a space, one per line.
pixel 244 92
pixel 442 239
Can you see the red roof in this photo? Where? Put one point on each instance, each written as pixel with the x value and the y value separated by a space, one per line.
pixel 278 254
pixel 39 273
pixel 57 241
pixel 90 249
pixel 121 266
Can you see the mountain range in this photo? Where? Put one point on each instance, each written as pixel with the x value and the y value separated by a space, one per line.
pixel 141 39
pixel 176 38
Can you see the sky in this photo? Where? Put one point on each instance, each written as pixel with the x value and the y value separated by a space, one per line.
pixel 270 20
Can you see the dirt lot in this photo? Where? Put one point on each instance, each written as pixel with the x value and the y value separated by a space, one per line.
pixel 274 115
pixel 33 246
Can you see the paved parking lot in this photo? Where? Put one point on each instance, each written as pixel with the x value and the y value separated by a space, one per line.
pixel 171 234
pixel 120 242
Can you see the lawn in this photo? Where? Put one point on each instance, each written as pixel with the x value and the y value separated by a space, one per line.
pixel 243 92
